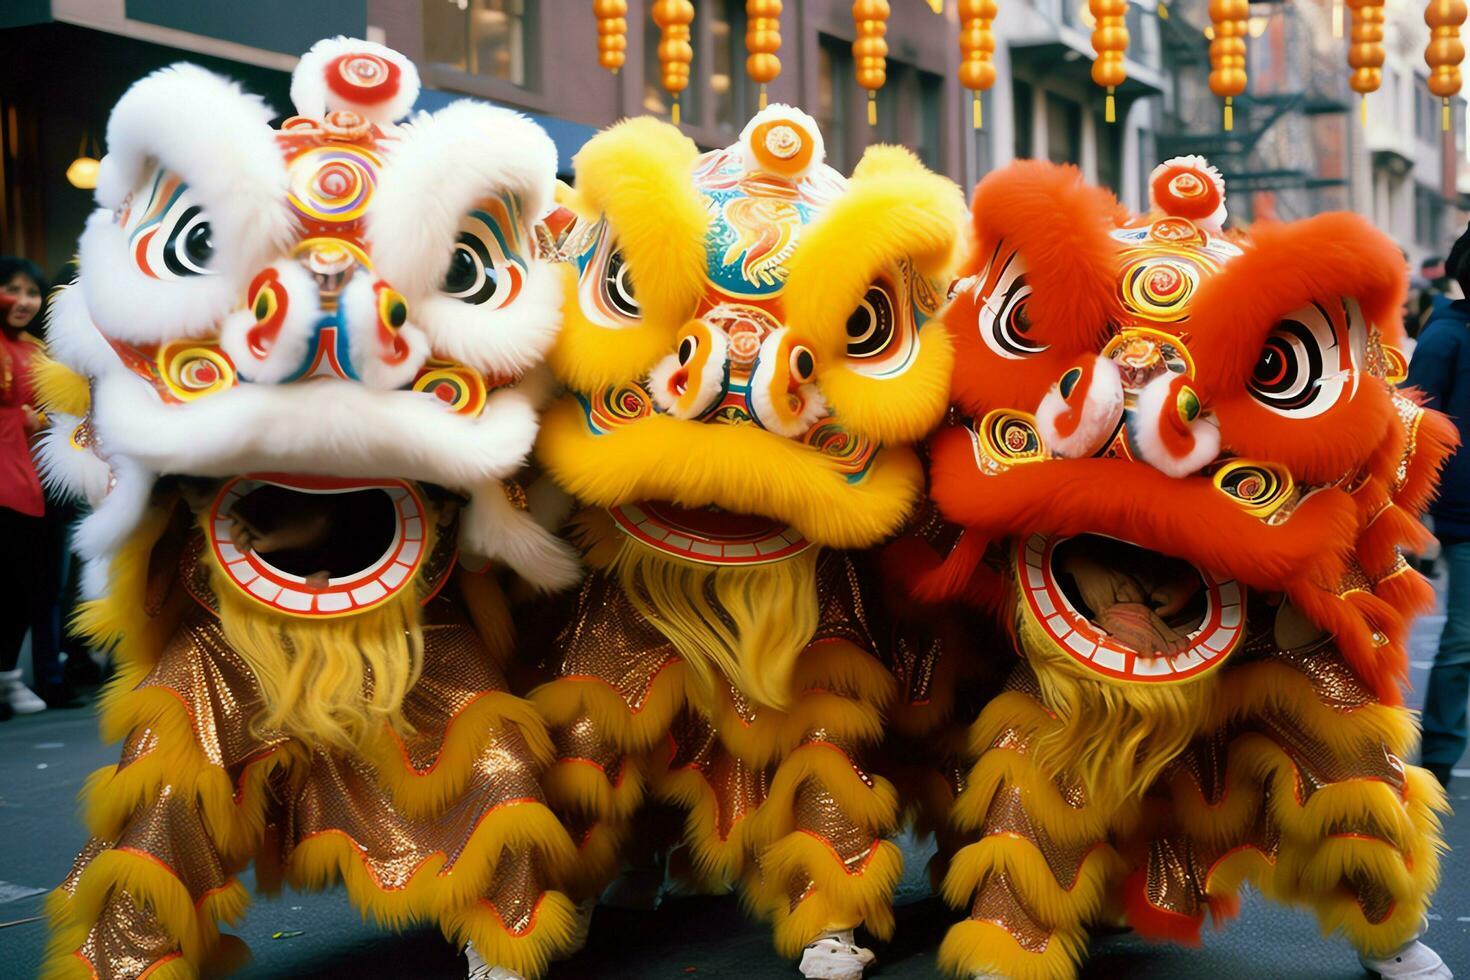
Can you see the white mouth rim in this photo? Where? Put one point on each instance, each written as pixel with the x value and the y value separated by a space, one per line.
pixel 368 588
pixel 1220 632
pixel 645 525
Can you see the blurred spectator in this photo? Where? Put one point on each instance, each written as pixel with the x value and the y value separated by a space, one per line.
pixel 22 504
pixel 1440 369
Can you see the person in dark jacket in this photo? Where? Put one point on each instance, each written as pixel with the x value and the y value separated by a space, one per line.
pixel 1441 370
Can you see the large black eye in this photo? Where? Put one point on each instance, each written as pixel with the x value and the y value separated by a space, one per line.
pixel 189 246
pixel 463 270
pixel 472 276
pixel 870 326
pixel 687 347
pixel 618 286
pixel 1289 370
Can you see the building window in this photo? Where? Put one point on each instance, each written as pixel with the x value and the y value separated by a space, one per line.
pixel 1428 217
pixel 655 99
pixel 929 119
pixel 731 90
pixel 834 96
pixel 494 38
pixel 1023 103
pixel 1063 130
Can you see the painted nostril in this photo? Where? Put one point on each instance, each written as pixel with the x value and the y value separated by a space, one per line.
pixel 1188 404
pixel 1069 382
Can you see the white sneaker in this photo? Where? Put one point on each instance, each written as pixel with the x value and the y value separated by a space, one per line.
pixel 1415 961
pixel 835 956
pixel 22 700
pixel 478 969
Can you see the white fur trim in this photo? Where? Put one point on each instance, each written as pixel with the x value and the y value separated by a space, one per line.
pixel 218 140
pixel 303 309
pixel 778 111
pixel 1101 409
pixel 66 471
pixel 101 533
pixel 781 422
pixel 491 527
pixel 360 311
pixel 1149 413
pixel 709 385
pixel 441 167
pixel 322 427
pixel 312 98
pixel 73 339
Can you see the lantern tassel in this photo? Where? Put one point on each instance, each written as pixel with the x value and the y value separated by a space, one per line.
pixel 1337 19
pixel 1444 114
pixel 872 108
pixel 1363 109
pixel 674 112
pixel 1110 107
pixel 977 119
pixel 1229 113
pixel 762 100
pixel 1162 10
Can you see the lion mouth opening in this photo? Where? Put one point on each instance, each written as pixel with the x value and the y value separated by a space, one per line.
pixel 1127 611
pixel 312 546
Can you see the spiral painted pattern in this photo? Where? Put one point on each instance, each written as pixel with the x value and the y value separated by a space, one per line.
pixel 192 369
pixel 333 184
pixel 850 453
pixel 1159 288
pixel 1259 487
pixel 617 406
pixel 461 389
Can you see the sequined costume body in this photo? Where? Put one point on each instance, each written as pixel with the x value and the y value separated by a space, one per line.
pixel 1155 493
pixel 295 509
pixel 737 434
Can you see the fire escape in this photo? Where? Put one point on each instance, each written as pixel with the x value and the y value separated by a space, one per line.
pixel 1279 159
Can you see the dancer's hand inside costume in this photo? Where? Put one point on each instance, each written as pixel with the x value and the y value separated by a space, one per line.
pixel 1120 605
pixel 304 527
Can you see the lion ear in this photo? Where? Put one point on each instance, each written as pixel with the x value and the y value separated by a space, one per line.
pixel 1061 229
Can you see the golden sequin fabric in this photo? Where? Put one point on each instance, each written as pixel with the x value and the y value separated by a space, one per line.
pixel 738 789
pixel 996 902
pixel 818 813
pixel 125 941
pixel 606 640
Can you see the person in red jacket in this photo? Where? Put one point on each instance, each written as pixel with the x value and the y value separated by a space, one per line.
pixel 22 504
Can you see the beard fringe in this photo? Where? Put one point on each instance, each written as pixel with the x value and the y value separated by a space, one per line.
pixel 743 626
pixel 336 680
pixel 1116 738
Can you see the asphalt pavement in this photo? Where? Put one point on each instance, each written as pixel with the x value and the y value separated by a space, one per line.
pixel 45 758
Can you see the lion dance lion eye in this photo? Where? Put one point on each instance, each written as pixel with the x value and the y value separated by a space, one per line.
pixel 1304 368
pixel 870 328
pixel 617 286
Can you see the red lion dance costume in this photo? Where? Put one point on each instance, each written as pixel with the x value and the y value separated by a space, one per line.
pixel 1182 473
pixel 291 382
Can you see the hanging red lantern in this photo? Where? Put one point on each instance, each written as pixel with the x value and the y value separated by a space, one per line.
pixel 977 50
pixel 612 33
pixel 870 51
pixel 1229 22
pixel 1445 51
pixel 1110 41
pixel 675 54
pixel 1365 50
pixel 762 42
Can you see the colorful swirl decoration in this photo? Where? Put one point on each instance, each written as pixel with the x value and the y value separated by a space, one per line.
pixel 459 388
pixel 333 184
pixel 617 406
pixel 192 369
pixel 850 453
pixel 1003 439
pixel 1159 288
pixel 363 78
pixel 1259 487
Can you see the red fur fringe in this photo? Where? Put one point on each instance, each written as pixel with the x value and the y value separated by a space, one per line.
pixel 1153 923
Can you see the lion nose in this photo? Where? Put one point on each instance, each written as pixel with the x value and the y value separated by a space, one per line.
pixel 330 264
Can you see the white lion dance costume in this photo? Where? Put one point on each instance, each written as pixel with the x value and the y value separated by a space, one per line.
pixel 749 348
pixel 1182 473
pixel 290 356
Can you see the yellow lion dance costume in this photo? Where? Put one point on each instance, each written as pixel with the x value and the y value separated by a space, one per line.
pixel 289 497
pixel 748 346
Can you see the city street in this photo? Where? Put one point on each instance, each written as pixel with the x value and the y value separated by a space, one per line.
pixel 44 759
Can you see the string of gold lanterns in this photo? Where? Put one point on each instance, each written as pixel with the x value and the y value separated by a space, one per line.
pixel 1229 22
pixel 612 33
pixel 870 51
pixel 1365 48
pixel 977 51
pixel 762 42
pixel 1445 51
pixel 1110 41
pixel 675 54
